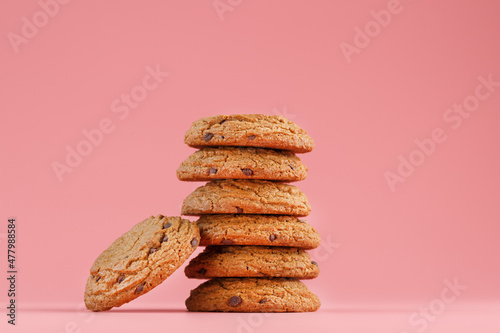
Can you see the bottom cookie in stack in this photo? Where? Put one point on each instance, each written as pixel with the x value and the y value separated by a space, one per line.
pixel 252 274
pixel 252 295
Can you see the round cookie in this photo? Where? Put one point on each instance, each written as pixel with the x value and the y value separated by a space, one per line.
pixel 230 196
pixel 271 230
pixel 242 163
pixel 252 295
pixel 252 261
pixel 249 130
pixel 139 260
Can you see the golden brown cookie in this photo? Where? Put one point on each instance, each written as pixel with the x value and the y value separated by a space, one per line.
pixel 249 130
pixel 246 197
pixel 252 261
pixel 252 295
pixel 139 260
pixel 271 230
pixel 242 163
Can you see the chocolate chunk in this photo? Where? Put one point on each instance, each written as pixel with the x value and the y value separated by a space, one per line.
pixel 164 239
pixel 140 288
pixel 98 278
pixel 120 279
pixel 202 271
pixel 227 242
pixel 264 300
pixel 235 301
pixel 152 250
pixel 251 137
pixel 208 136
pixel 272 238
pixel 223 121
pixel 212 171
pixel 239 210
pixel 194 242
pixel 291 167
pixel 247 172
pixel 314 263
pixel 167 225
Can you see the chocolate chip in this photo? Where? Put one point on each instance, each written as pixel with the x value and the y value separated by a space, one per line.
pixel 120 279
pixel 140 288
pixel 98 278
pixel 235 301
pixel 152 250
pixel 212 171
pixel 167 225
pixel 202 271
pixel 291 167
pixel 239 210
pixel 194 242
pixel 264 300
pixel 223 121
pixel 314 263
pixel 227 242
pixel 164 239
pixel 247 172
pixel 251 137
pixel 208 136
pixel 272 238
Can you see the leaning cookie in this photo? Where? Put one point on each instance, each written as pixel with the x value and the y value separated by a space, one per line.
pixel 139 260
pixel 242 163
pixel 238 196
pixel 271 230
pixel 252 261
pixel 249 130
pixel 252 295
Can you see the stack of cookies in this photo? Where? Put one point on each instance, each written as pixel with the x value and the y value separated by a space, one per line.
pixel 255 243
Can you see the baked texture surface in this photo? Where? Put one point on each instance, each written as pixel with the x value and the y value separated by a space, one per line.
pixel 249 130
pixel 252 261
pixel 139 260
pixel 242 163
pixel 236 196
pixel 270 230
pixel 252 295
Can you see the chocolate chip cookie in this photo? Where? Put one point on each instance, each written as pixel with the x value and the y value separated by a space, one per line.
pixel 249 130
pixel 253 295
pixel 236 196
pixel 271 230
pixel 252 261
pixel 242 163
pixel 139 260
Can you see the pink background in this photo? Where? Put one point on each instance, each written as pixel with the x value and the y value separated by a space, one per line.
pixel 391 249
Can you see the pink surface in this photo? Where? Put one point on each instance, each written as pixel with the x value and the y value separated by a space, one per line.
pixel 324 321
pixel 402 99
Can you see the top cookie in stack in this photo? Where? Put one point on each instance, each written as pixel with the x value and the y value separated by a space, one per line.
pixel 249 130
pixel 249 216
